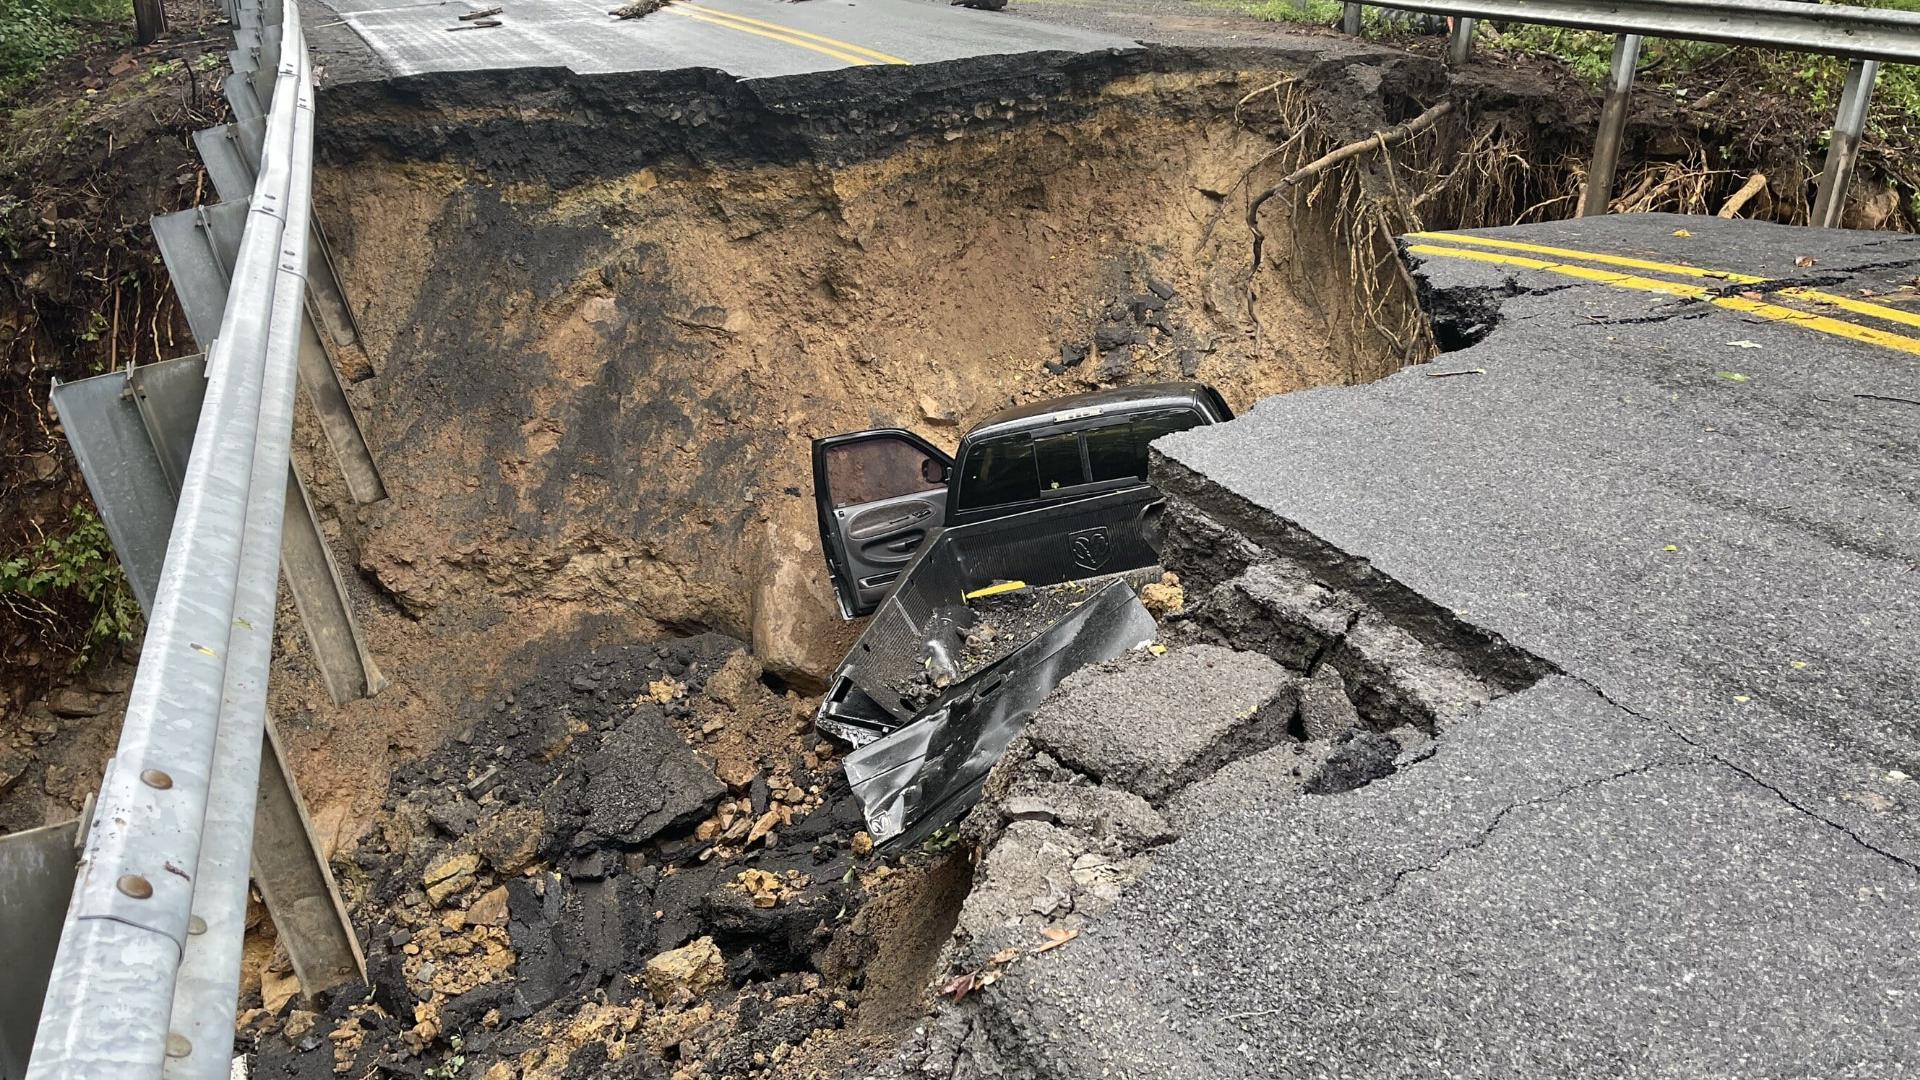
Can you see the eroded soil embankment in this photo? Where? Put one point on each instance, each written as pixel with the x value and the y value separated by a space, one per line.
pixel 600 327
pixel 602 323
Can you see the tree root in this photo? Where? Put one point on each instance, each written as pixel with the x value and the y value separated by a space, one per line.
pixel 1755 184
pixel 1379 140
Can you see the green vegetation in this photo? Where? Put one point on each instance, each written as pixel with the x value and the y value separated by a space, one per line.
pixel 72 579
pixel 36 34
pixel 1313 12
pixel 1799 76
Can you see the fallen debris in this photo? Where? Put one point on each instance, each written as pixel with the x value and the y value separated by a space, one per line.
pixel 639 9
pixel 549 895
pixel 767 889
pixel 687 972
pixel 959 986
pixel 1164 597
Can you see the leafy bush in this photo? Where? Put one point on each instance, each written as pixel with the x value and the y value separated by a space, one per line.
pixel 1805 76
pixel 35 34
pixel 68 578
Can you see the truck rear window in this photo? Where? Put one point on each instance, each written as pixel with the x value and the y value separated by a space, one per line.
pixel 1119 451
pixel 1058 460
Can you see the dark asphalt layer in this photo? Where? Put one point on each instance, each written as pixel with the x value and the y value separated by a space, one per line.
pixel 1563 890
pixel 1539 500
pixel 1691 856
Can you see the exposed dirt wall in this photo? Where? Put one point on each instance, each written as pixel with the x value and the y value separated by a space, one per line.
pixel 595 378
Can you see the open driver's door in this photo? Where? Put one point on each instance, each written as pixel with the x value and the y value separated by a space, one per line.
pixel 879 494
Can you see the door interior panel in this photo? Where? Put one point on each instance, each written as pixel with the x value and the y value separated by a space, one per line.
pixel 880 495
pixel 888 518
pixel 882 538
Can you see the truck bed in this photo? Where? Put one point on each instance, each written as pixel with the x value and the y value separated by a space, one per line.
pixel 927 618
pixel 936 687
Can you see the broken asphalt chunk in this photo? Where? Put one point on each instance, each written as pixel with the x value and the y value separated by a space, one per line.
pixel 647 780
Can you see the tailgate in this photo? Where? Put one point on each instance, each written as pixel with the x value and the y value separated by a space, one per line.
pixel 927 615
pixel 927 773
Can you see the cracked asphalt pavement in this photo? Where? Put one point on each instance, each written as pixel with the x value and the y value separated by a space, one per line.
pixel 1691 849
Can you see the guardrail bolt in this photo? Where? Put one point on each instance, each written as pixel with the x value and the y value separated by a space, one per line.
pixel 177 1045
pixel 154 778
pixel 196 925
pixel 135 886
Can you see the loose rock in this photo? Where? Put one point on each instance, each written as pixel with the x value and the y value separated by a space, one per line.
pixel 686 972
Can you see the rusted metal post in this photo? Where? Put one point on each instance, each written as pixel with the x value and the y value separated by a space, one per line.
pixel 1831 204
pixel 1350 19
pixel 1613 126
pixel 1460 41
pixel 149 21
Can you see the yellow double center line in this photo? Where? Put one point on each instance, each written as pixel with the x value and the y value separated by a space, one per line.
pixel 846 52
pixel 1837 327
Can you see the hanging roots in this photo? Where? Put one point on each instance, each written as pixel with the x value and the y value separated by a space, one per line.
pixel 1379 140
pixel 1330 194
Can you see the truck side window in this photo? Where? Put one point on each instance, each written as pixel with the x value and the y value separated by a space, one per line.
pixel 1058 457
pixel 1120 452
pixel 998 471
pixel 874 469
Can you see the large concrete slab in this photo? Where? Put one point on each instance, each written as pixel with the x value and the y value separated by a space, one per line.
pixel 1689 850
pixel 1150 724
pixel 1707 515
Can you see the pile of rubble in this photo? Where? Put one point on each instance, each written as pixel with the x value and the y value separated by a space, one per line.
pixel 1144 328
pixel 636 865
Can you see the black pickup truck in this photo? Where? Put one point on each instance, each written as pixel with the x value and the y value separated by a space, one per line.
pixel 989 582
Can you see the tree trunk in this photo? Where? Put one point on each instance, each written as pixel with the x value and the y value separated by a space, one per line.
pixel 149 21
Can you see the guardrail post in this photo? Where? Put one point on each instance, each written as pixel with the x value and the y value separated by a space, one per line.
pixel 36 882
pixel 1613 126
pixel 1831 203
pixel 1460 43
pixel 1350 19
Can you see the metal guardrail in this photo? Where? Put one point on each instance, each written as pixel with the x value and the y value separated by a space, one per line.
pixel 1865 36
pixel 145 978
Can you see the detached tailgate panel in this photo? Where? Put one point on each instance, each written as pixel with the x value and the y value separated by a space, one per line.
pixel 927 773
pixel 1104 534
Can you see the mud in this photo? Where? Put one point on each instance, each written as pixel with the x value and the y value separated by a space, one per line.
pixel 528 885
pixel 603 317
pixel 667 315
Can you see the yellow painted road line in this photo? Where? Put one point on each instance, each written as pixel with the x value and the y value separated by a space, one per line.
pixel 1821 323
pixel 1845 303
pixel 873 56
pixel 701 15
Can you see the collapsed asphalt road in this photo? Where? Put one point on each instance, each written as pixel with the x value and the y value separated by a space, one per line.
pixel 1644 556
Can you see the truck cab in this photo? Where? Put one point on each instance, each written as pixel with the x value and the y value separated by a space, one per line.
pixel 882 494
